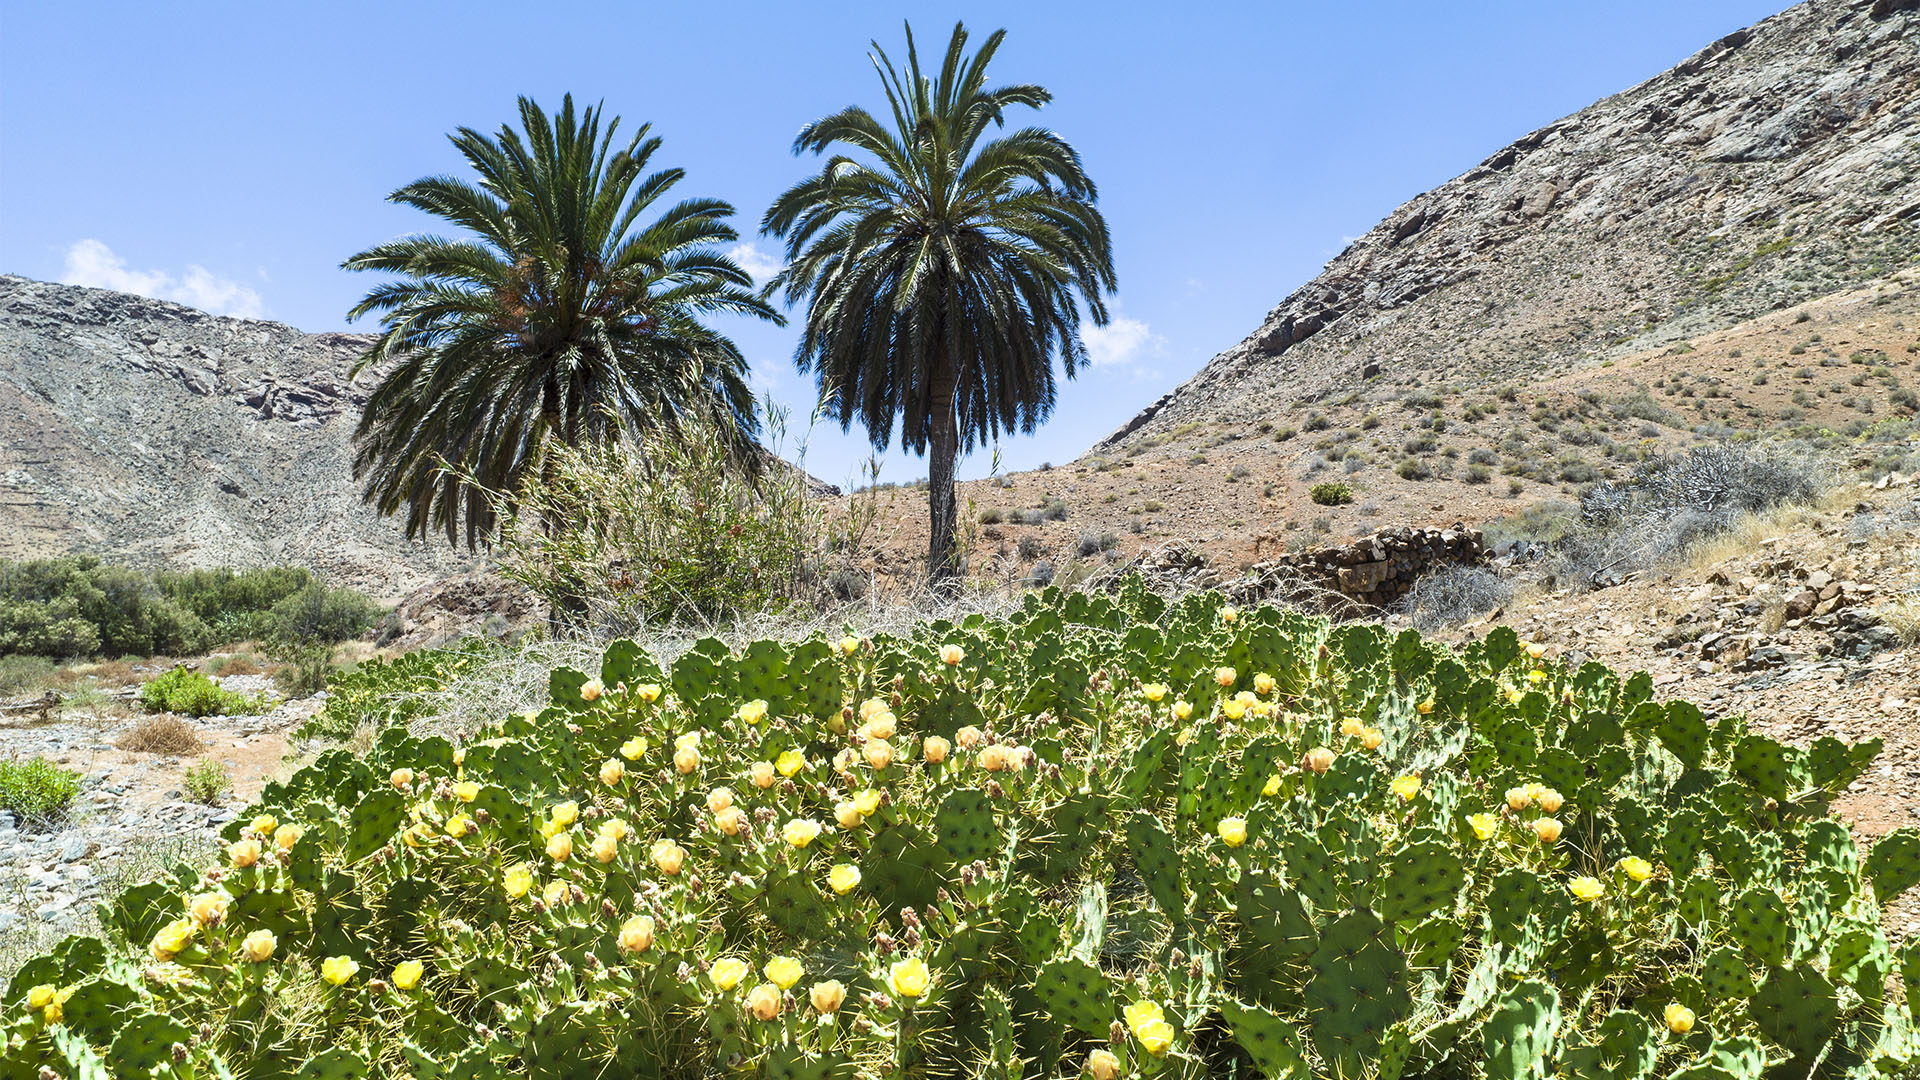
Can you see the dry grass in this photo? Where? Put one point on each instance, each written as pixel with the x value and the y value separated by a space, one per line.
pixel 162 733
pixel 1902 616
pixel 236 664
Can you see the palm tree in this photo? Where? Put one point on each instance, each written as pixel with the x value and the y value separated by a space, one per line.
pixel 559 316
pixel 942 269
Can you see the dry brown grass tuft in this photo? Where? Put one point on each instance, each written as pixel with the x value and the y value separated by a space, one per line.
pixel 237 664
pixel 1903 616
pixel 162 733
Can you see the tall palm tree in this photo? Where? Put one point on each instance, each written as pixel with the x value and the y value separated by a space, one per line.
pixel 559 316
pixel 943 268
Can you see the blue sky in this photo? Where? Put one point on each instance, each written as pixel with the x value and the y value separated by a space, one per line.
pixel 232 155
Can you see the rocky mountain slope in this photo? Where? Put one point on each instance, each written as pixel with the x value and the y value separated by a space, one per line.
pixel 158 434
pixel 1778 164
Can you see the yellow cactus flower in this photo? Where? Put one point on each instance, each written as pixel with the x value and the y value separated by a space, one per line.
pixel 243 852
pixel 1406 787
pixel 800 831
pixel 1353 727
pixel 719 799
pixel 1536 650
pixel 565 814
pixel 1424 708
pixel 1183 710
pixel 843 878
pixel 951 655
pixel 40 996
pixel 590 691
pixel 790 762
pixel 668 857
pixel 1319 759
pixel 209 908
pixel 264 825
pixel 401 778
pixel 752 712
pixel 1225 676
pixel 866 800
pixel 1549 800
pixel 459 825
pixel 605 848
pixel 1546 828
pixel 517 881
pixel 172 939
pixel 633 748
pixel 1103 1065
pixel 1233 831
pixel 878 752
pixel 1484 825
pixel 560 847
pixel 731 821
pixel 1586 889
pixel 827 997
pixel 1519 799
pixel 935 749
pixel 1536 676
pixel 849 645
pixel 685 760
pixel 1636 868
pixel 554 893
pixel 1233 709
pixel 258 946
pixel 338 970
pixel 1271 787
pixel 406 974
pixel 612 771
pixel 616 828
pixel 1141 1013
pixel 1679 1018
pixel 636 934
pixel 883 725
pixel 764 1002
pixel 288 835
pixel 1156 1037
pixel 1372 738
pixel 1263 684
pixel 968 737
pixel 649 692
pixel 1514 695
pixel 727 972
pixel 762 774
pixel 910 978
pixel 848 815
pixel 1154 692
pixel 783 971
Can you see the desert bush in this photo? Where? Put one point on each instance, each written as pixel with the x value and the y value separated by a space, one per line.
pixel 207 782
pixel 1720 482
pixel 180 690
pixel 383 693
pixel 162 733
pixel 20 673
pixel 1331 493
pixel 1095 541
pixel 1055 509
pixel 1450 595
pixel 1030 547
pixel 1190 841
pixel 36 791
pixel 615 536
pixel 1413 469
pixel 317 614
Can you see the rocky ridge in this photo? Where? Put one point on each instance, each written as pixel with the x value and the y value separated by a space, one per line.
pixel 158 434
pixel 1778 164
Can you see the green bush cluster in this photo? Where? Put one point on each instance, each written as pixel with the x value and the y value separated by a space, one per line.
pixel 1332 493
pixel 79 606
pixel 36 791
pixel 384 693
pixel 183 691
pixel 1106 836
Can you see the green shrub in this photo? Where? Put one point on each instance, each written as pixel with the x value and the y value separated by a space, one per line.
pixel 1114 848
pixel 36 791
pixel 207 782
pixel 1331 493
pixel 189 692
pixel 21 673
pixel 383 693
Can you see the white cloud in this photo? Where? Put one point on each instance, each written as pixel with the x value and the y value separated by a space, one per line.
pixel 754 261
pixel 1123 343
pixel 93 263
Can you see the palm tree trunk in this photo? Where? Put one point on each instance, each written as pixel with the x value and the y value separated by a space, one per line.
pixel 943 563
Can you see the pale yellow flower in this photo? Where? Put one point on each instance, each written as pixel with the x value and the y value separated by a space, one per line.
pixel 172 939
pixel 1263 684
pixel 1103 1065
pixel 649 692
pixel 1586 888
pixel 685 760
pixel 1156 1037
pixel 560 847
pixel 1372 738
pixel 243 852
pixel 883 725
pixel 517 881
pixel 910 978
pixel 264 825
pixel 605 848
pixel 209 908
pixel 406 974
pixel 258 946
pixel 968 737
pixel 719 799
pixel 1546 828
pixel 1549 800
pixel 1406 787
pixel 753 711
pixel 1319 759
pixel 878 752
pixel 731 820
pixel 843 878
pixel 1154 692
pixel 636 934
pixel 951 655
pixel 849 645
pixel 1636 867
pixel 1225 676
pixel 1484 825
pixel 633 748
pixel 1233 831
pixel 1679 1018
pixel 668 857
pixel 800 831
pixel 338 970
pixel 611 771
pixel 790 762
pixel 727 972
pixel 935 749
pixel 288 835
pixel 783 971
pixel 591 691
pixel 827 997
pixel 763 774
pixel 401 778
pixel 459 825
pixel 764 1002
pixel 1183 710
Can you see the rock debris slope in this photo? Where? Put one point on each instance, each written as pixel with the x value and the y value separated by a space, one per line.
pixel 157 434
pixel 1777 164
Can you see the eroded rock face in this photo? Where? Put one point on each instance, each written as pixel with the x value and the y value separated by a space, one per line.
pixel 1780 163
pixel 157 434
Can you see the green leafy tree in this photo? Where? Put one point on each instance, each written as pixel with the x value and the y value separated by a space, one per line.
pixel 559 316
pixel 944 266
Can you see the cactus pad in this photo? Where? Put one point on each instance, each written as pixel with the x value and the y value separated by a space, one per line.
pixel 1893 865
pixel 145 1042
pixel 1420 878
pixel 966 830
pixel 1358 989
pixel 1158 862
pixel 1076 993
pixel 1624 1048
pixel 1517 1037
pixel 1273 1044
pixel 1758 921
pixel 1797 1008
pixel 337 1063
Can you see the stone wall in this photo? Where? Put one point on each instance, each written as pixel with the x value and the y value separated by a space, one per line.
pixel 1379 569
